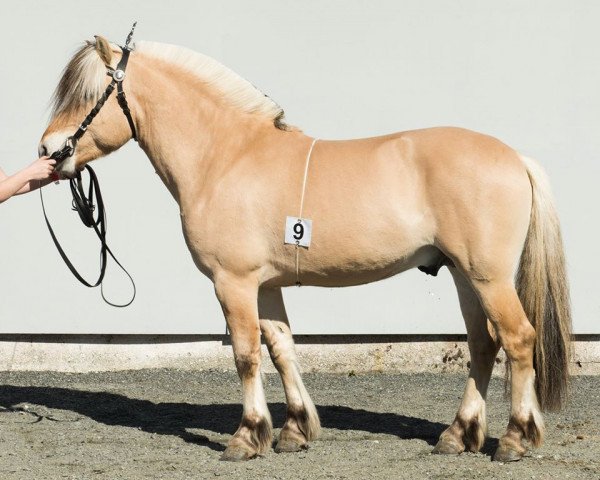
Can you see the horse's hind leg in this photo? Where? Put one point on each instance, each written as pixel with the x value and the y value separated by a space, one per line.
pixel 238 297
pixel 517 336
pixel 469 427
pixel 302 422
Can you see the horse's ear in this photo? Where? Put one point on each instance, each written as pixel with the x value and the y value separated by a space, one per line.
pixel 103 49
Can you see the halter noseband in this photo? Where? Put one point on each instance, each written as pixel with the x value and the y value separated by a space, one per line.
pixel 118 75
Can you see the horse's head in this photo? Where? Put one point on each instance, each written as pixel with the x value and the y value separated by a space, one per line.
pixel 83 82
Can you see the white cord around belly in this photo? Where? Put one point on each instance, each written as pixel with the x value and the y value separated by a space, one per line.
pixel 302 208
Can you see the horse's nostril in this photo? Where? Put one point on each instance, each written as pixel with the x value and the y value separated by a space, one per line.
pixel 42 150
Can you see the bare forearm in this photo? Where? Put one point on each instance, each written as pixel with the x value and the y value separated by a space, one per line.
pixel 34 185
pixel 14 184
pixel 36 175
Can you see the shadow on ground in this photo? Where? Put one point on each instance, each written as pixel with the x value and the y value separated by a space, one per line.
pixel 176 418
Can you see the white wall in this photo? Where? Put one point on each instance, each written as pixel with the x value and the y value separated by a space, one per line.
pixel 526 72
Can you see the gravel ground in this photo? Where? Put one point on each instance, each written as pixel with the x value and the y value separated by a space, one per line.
pixel 174 425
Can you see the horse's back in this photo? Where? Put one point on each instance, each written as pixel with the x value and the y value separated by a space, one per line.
pixel 449 151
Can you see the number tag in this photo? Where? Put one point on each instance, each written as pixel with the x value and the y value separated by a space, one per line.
pixel 298 231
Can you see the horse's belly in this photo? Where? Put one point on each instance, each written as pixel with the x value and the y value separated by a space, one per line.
pixel 348 271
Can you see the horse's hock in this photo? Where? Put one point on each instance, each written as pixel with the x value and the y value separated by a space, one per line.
pixel 337 354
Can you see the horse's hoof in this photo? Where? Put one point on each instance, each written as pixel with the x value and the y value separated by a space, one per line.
pixel 288 446
pixel 237 454
pixel 504 454
pixel 445 447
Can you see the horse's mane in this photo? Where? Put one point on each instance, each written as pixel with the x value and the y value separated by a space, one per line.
pixel 83 80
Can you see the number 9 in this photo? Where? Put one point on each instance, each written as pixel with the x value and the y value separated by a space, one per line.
pixel 298 231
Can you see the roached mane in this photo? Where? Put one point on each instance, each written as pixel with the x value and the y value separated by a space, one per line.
pixel 83 80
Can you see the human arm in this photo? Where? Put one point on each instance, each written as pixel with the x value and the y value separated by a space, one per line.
pixel 35 175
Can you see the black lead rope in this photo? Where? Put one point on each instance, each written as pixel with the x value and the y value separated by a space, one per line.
pixel 86 206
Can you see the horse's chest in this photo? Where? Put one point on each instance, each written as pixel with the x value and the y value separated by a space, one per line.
pixel 221 242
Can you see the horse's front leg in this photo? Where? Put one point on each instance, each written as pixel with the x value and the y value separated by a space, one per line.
pixel 238 297
pixel 302 421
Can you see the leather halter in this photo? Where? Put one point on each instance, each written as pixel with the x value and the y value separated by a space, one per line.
pixel 118 75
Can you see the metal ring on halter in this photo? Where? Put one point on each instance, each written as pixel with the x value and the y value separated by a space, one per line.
pixel 118 75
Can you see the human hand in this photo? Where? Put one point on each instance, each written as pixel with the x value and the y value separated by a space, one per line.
pixel 42 168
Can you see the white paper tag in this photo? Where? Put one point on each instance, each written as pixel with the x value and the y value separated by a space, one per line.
pixel 298 231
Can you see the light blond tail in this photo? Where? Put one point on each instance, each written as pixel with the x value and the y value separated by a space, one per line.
pixel 543 289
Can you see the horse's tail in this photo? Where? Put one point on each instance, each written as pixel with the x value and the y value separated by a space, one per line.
pixel 543 289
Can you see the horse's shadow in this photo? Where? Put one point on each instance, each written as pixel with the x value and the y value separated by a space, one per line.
pixel 177 418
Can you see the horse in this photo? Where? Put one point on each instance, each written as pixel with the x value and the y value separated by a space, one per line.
pixel 429 198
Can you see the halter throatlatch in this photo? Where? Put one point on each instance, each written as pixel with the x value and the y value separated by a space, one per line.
pixel 82 204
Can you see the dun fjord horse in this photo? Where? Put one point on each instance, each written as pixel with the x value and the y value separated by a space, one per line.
pixel 425 198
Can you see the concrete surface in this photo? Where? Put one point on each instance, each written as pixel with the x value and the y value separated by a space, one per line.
pixel 330 353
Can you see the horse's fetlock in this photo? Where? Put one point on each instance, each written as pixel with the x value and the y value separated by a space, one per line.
pixel 534 431
pixel 455 432
pixel 451 440
pixel 527 428
pixel 472 432
pixel 257 431
pixel 298 416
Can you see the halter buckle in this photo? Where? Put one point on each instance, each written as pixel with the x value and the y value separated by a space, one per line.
pixel 65 152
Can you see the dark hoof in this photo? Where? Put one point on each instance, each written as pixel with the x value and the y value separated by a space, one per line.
pixel 507 455
pixel 445 447
pixel 237 454
pixel 288 446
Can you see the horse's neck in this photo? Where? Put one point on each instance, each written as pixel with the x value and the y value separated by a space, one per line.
pixel 188 139
pixel 182 149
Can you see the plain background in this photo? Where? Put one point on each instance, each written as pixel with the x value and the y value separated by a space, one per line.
pixel 525 72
